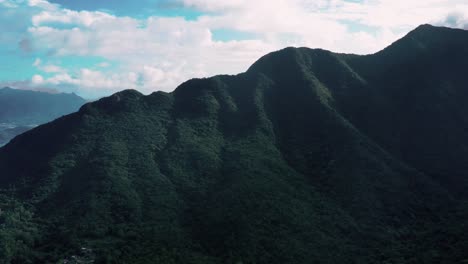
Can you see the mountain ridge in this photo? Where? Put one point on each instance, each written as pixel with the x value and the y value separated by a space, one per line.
pixel 303 158
pixel 20 110
pixel 28 107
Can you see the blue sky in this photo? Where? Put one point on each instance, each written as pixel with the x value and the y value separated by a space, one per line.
pixel 132 8
pixel 121 7
pixel 97 47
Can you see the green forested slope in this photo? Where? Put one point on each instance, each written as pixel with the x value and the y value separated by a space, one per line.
pixel 308 157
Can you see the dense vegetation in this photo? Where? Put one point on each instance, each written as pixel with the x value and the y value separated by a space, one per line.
pixel 308 157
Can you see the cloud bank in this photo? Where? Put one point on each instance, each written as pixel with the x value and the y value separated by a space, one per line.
pixel 95 53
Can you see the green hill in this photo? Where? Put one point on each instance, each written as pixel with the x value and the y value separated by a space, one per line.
pixel 308 157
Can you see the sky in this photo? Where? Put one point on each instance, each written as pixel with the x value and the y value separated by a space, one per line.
pixel 97 47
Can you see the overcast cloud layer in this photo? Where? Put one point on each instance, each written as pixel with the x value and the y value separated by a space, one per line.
pixel 95 53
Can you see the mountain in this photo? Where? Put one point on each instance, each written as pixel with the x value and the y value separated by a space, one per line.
pixel 22 109
pixel 307 157
pixel 9 131
pixel 31 107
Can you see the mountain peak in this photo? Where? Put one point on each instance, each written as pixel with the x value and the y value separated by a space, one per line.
pixel 425 27
pixel 427 39
pixel 427 32
pixel 289 57
pixel 128 94
pixel 268 61
pixel 116 101
pixel 123 96
pixel 7 89
pixel 306 158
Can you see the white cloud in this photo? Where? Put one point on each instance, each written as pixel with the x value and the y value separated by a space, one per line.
pixel 37 79
pixel 162 52
pixel 37 62
pixel 52 69
pixel 455 19
pixel 43 4
pixel 158 53
pixel 8 4
pixel 82 18
pixel 48 68
pixel 104 64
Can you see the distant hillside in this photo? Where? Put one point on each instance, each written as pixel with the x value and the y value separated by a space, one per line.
pixel 21 110
pixel 25 107
pixel 308 157
pixel 6 134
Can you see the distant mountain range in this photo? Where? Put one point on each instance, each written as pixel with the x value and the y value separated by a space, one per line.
pixel 20 110
pixel 308 157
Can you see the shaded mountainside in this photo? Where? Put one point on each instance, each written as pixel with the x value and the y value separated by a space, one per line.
pixel 7 133
pixel 308 157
